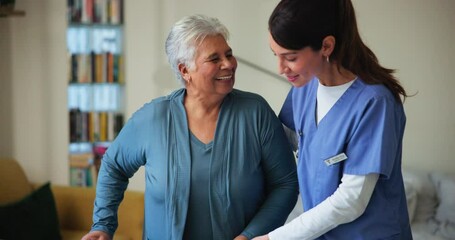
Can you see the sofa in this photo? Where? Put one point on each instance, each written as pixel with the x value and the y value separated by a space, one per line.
pixel 431 204
pixel 58 212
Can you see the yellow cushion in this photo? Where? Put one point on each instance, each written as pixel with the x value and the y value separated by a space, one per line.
pixel 74 207
pixel 75 210
pixel 14 185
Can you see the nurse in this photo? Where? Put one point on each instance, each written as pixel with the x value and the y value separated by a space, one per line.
pixel 347 112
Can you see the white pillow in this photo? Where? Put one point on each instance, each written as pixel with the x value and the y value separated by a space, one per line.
pixel 445 187
pixel 446 230
pixel 426 202
pixel 411 199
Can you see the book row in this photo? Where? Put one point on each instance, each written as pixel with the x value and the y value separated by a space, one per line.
pixel 96 68
pixel 94 126
pixel 83 177
pixel 84 167
pixel 95 11
pixel 99 39
pixel 96 97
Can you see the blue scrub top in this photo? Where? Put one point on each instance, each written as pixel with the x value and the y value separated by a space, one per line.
pixel 367 124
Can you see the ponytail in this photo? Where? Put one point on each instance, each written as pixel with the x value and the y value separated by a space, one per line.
pixel 351 53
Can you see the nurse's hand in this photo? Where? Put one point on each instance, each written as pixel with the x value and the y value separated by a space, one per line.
pixel 263 237
pixel 240 237
pixel 96 235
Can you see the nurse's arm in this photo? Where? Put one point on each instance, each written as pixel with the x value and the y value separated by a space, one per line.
pixel 346 204
pixel 292 138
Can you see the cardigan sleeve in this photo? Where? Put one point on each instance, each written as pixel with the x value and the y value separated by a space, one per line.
pixel 279 167
pixel 119 163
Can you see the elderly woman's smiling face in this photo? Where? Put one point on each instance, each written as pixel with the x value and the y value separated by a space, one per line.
pixel 214 68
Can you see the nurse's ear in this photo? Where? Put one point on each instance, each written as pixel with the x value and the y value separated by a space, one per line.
pixel 328 45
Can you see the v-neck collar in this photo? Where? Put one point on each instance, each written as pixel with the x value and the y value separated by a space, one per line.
pixel 199 143
pixel 335 108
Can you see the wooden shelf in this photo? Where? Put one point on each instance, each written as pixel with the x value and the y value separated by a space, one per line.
pixel 13 13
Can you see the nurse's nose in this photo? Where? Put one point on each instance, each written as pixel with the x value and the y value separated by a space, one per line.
pixel 282 67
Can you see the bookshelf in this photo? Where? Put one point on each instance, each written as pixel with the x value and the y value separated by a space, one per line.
pixel 7 9
pixel 94 40
pixel 11 13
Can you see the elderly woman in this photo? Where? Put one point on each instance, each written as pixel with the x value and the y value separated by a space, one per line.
pixel 218 164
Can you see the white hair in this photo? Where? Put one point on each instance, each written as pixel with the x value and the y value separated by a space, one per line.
pixel 186 35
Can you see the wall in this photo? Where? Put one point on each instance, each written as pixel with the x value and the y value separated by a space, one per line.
pixel 6 108
pixel 413 36
pixel 32 118
pixel 416 38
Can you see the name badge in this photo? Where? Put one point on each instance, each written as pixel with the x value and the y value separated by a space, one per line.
pixel 335 159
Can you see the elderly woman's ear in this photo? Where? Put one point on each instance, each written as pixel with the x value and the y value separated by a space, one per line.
pixel 184 72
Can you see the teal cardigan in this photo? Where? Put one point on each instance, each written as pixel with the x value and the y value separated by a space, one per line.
pixel 253 183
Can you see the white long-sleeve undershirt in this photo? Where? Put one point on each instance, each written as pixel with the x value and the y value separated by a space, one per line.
pixel 327 96
pixel 346 204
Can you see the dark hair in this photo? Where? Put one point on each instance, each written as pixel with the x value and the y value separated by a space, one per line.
pixel 296 24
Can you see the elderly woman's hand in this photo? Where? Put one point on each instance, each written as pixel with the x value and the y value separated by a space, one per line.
pixel 96 235
pixel 263 237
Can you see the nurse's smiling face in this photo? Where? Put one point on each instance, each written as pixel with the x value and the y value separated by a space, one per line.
pixel 298 66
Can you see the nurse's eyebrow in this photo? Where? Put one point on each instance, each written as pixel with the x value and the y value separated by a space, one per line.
pixel 283 54
pixel 287 53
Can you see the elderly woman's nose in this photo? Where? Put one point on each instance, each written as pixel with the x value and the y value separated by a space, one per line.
pixel 228 62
